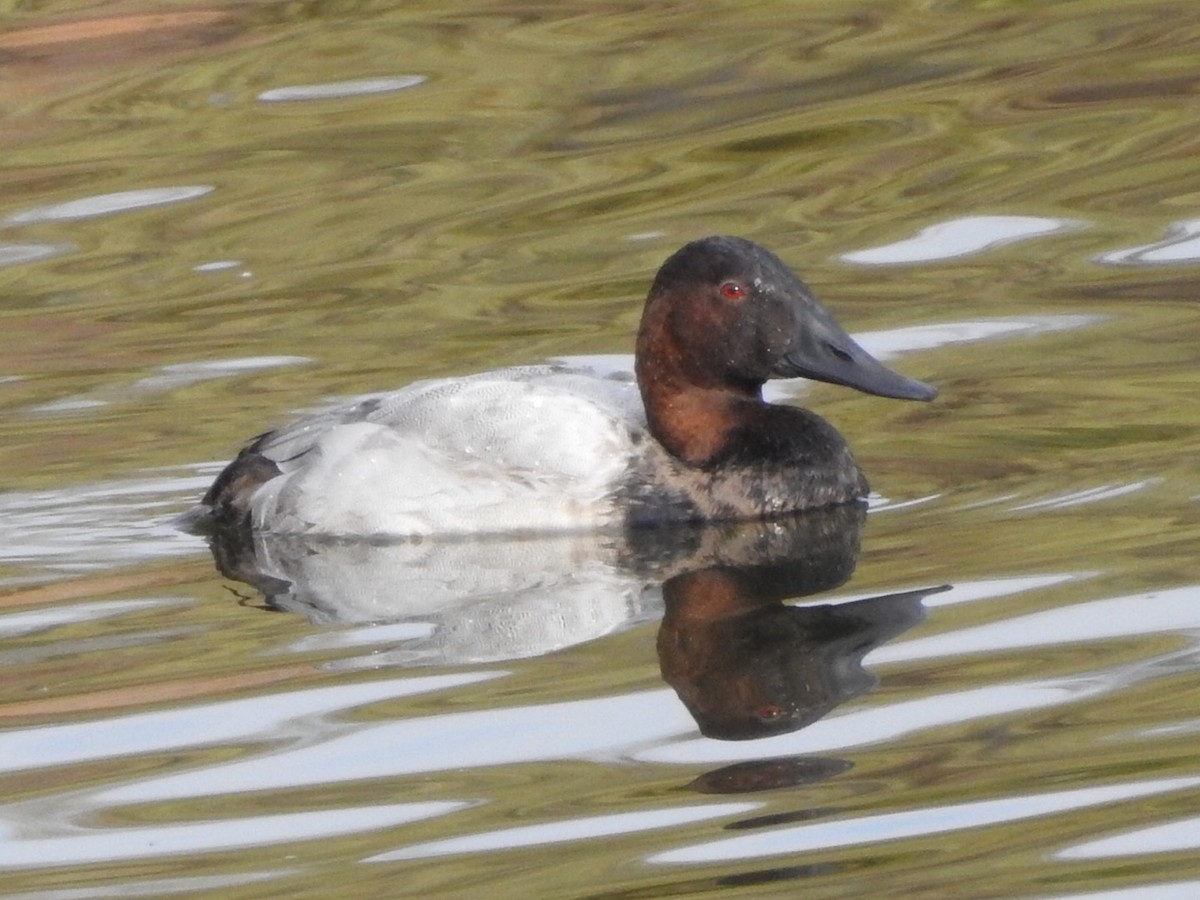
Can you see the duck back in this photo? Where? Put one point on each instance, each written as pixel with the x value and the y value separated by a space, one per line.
pixel 537 448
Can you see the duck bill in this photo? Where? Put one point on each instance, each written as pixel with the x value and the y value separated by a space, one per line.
pixel 830 355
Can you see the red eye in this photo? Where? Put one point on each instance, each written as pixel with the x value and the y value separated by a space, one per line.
pixel 731 290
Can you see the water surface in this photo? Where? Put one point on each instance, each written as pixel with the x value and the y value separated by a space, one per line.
pixel 214 217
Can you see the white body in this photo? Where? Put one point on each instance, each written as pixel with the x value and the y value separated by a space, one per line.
pixel 537 448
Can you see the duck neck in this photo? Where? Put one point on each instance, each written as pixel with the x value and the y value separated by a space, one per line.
pixel 696 423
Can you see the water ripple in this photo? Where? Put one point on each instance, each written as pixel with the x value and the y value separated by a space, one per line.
pixel 915 823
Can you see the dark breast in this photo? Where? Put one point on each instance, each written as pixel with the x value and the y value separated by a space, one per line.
pixel 797 461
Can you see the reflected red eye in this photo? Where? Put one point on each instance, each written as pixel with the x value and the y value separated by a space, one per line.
pixel 731 290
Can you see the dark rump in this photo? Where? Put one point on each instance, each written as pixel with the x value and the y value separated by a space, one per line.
pixel 229 496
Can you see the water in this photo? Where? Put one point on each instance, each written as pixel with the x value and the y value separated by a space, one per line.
pixel 213 217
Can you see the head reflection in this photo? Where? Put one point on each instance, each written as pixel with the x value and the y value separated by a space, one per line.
pixel 748 666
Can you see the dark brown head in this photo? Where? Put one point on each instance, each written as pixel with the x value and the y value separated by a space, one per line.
pixel 723 316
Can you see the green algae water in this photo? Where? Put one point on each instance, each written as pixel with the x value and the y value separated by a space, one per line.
pixel 213 217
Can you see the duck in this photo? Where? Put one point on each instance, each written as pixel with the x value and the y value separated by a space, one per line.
pixel 557 447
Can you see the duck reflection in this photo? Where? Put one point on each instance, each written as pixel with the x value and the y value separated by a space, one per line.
pixel 744 663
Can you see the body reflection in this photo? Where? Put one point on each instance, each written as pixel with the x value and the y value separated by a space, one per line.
pixel 744 663
pixel 467 601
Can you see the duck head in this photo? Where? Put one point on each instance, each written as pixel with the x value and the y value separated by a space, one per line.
pixel 725 313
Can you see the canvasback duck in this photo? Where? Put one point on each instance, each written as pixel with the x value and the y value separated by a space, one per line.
pixel 548 448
